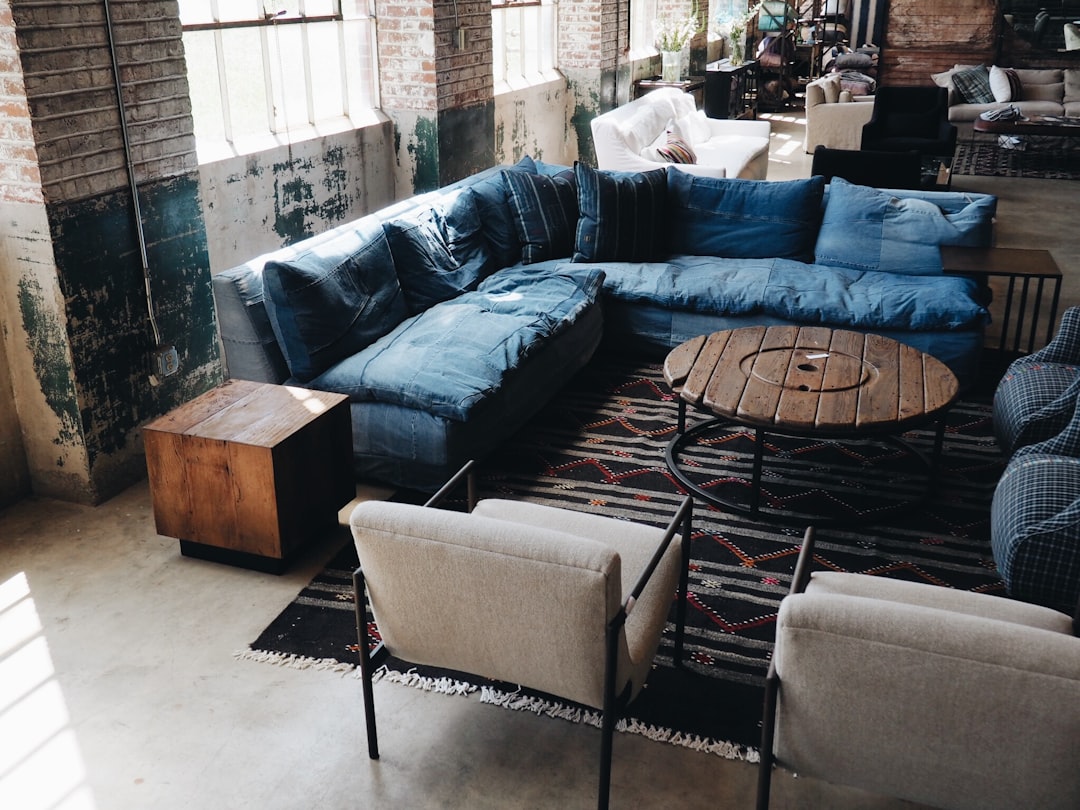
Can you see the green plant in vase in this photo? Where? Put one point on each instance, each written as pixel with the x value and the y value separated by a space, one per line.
pixel 732 26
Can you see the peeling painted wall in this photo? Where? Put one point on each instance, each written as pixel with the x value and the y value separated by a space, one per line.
pixel 534 121
pixel 41 377
pixel 14 472
pixel 257 203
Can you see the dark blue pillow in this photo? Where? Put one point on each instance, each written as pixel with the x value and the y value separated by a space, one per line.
pixel 334 299
pixel 622 215
pixel 493 204
pixel 743 219
pixel 545 212
pixel 440 252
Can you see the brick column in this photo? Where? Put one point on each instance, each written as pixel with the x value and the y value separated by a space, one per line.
pixel 592 34
pixel 435 75
pixel 79 342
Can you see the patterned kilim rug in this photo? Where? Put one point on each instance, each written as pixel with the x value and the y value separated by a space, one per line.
pixel 600 446
pixel 1059 161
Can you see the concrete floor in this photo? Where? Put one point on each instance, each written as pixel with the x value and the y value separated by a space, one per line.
pixel 119 689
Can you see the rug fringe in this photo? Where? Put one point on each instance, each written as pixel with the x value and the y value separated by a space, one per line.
pixel 293 661
pixel 520 702
pixel 442 686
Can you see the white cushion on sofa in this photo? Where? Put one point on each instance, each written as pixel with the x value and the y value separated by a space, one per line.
pixel 1039 76
pixel 693 128
pixel 648 123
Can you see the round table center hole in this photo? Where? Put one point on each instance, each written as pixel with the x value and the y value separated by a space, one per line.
pixel 789 367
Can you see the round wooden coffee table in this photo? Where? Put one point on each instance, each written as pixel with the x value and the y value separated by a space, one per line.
pixel 805 382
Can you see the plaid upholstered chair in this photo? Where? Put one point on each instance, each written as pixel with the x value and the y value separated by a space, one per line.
pixel 947 698
pixel 1035 520
pixel 1037 396
pixel 566 603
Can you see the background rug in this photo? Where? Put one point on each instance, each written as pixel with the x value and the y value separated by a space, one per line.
pixel 600 447
pixel 1042 161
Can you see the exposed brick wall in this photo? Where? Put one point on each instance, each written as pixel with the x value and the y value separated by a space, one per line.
pixel 406 33
pixel 20 180
pixel 463 75
pixel 588 35
pixel 70 87
pixel 924 38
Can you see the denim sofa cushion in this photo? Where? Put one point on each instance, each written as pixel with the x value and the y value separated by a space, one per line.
pixel 622 215
pixel 439 251
pixel 492 199
pixel 743 219
pixel 332 300
pixel 793 291
pixel 545 212
pixel 866 228
pixel 485 336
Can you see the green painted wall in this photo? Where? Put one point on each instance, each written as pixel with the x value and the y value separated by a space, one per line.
pixel 111 342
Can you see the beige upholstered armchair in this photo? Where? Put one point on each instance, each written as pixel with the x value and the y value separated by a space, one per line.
pixel 952 699
pixel 567 603
pixel 834 118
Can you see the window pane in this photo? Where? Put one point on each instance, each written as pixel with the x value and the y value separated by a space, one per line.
pixel 204 86
pixel 195 11
pixel 234 10
pixel 320 8
pixel 327 91
pixel 245 77
pixel 287 74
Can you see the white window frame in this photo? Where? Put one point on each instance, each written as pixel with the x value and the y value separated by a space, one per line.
pixel 643 29
pixel 290 98
pixel 525 43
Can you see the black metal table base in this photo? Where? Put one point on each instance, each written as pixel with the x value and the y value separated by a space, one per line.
pixel 752 508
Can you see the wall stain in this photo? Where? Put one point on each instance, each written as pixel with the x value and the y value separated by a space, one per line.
pixel 47 341
pixel 424 151
pixel 297 207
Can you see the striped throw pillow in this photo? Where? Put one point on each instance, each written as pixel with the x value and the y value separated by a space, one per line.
pixel 622 215
pixel 676 150
pixel 545 212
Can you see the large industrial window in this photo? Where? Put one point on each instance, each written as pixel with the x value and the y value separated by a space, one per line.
pixel 524 36
pixel 272 71
pixel 642 28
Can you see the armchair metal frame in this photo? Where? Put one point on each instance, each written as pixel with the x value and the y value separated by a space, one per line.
pixel 613 704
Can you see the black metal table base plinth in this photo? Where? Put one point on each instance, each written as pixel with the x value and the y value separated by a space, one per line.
pixel 752 508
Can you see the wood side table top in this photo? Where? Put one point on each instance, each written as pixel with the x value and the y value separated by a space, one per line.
pixel 810 379
pixel 998 261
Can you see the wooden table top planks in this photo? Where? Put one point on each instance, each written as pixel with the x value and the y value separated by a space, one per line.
pixel 810 380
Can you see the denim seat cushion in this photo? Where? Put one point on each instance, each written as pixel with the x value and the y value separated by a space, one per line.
pixel 866 228
pixel 450 359
pixel 439 251
pixel 745 219
pixel 333 299
pixel 803 293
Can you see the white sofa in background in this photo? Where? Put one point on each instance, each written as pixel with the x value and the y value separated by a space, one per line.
pixel 724 148
pixel 834 118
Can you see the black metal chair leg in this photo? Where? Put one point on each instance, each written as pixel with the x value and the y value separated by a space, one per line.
pixel 366 664
pixel 684 584
pixel 768 726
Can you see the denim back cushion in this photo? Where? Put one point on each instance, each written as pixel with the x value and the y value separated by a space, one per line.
pixel 492 199
pixel 331 301
pixel 875 229
pixel 440 252
pixel 743 219
pixel 622 215
pixel 545 211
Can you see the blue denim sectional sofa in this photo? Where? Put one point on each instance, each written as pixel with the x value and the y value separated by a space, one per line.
pixel 451 318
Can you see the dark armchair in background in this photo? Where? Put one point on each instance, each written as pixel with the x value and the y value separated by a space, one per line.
pixel 869 167
pixel 907 118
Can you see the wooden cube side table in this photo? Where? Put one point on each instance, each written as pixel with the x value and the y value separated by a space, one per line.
pixel 247 472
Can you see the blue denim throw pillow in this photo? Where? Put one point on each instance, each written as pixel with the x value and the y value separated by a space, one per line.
pixel 440 252
pixel 545 211
pixel 334 299
pixel 622 215
pixel 876 229
pixel 743 219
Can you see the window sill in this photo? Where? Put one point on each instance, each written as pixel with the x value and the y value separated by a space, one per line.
pixel 212 150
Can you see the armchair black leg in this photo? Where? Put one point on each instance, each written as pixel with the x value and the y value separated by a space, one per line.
pixel 684 581
pixel 768 726
pixel 366 663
